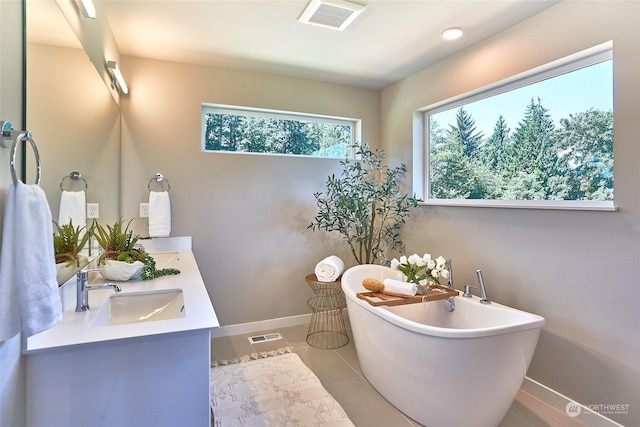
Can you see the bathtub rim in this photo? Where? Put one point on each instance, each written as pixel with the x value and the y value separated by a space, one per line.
pixel 531 321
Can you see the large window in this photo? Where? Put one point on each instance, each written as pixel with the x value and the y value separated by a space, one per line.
pixel 545 138
pixel 248 130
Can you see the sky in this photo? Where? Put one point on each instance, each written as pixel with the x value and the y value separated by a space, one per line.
pixel 577 91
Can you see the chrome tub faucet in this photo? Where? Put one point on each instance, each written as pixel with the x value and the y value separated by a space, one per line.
pixel 483 291
pixel 449 266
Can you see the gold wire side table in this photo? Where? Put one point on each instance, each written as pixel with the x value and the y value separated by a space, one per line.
pixel 327 329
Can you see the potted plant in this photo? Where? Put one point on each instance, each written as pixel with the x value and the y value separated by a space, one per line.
pixel 68 242
pixel 121 259
pixel 365 205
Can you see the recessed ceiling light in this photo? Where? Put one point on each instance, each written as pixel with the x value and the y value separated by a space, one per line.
pixel 452 33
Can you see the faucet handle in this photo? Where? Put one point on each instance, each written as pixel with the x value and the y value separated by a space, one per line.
pixel 467 291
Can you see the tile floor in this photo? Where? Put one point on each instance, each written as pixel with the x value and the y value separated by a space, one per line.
pixel 339 372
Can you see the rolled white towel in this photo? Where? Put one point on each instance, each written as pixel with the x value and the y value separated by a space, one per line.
pixel 329 269
pixel 397 287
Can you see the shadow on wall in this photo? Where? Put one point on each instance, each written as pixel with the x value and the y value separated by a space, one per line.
pixel 580 366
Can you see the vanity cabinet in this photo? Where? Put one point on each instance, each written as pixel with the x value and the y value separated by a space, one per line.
pixel 159 380
pixel 148 373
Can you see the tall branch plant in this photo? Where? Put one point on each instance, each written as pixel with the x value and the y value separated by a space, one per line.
pixel 365 205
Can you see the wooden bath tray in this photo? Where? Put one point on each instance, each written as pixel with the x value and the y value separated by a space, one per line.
pixel 378 298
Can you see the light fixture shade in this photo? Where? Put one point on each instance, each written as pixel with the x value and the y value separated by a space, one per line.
pixel 117 75
pixel 452 33
pixel 88 9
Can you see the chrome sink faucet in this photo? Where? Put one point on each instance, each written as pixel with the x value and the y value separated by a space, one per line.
pixel 83 288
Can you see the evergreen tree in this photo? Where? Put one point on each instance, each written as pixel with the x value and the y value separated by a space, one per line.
pixel 495 150
pixel 464 133
pixel 533 139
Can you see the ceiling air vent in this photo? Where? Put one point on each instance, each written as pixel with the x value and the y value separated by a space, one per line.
pixel 335 14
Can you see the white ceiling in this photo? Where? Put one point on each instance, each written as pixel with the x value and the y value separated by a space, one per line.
pixel 389 41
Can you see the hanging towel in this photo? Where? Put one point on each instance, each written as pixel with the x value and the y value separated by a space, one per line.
pixel 329 269
pixel 29 298
pixel 397 287
pixel 159 214
pixel 73 206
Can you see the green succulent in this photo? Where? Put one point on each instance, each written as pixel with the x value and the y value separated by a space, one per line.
pixel 118 243
pixel 149 270
pixel 68 243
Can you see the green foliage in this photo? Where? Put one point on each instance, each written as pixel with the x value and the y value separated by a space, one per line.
pixel 118 243
pixel 365 205
pixel 227 132
pixel 538 161
pixel 67 243
pixel 149 270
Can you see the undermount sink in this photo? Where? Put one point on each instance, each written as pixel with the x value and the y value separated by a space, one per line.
pixel 139 307
pixel 170 256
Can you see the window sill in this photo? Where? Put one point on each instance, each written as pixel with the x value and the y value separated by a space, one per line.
pixel 576 205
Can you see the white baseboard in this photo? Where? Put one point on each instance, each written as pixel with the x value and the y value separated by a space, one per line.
pixel 562 403
pixel 263 325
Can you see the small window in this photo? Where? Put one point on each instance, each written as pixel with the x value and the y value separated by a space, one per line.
pixel 249 130
pixel 543 139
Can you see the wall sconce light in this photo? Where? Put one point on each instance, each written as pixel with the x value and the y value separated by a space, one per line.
pixel 117 75
pixel 452 33
pixel 88 9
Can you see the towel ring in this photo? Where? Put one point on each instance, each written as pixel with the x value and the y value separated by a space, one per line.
pixel 159 178
pixel 74 176
pixel 14 149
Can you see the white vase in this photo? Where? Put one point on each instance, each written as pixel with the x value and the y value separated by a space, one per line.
pixel 121 271
pixel 66 270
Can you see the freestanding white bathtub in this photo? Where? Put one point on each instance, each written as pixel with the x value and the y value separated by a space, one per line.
pixel 441 368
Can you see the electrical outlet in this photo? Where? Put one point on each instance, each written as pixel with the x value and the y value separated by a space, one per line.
pixel 144 210
pixel 93 210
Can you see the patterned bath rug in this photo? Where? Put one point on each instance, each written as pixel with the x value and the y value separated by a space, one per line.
pixel 272 390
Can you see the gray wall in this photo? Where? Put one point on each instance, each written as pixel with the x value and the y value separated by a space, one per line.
pixel 12 374
pixel 580 270
pixel 248 214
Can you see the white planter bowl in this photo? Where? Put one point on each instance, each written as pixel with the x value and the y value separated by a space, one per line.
pixel 66 270
pixel 121 271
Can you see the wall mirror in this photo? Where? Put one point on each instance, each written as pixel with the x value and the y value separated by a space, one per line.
pixel 71 114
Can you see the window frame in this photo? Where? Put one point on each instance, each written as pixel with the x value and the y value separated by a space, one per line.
pixel 421 153
pixel 356 126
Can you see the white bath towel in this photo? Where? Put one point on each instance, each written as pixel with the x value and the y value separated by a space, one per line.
pixel 159 214
pixel 329 269
pixel 73 206
pixel 29 298
pixel 397 287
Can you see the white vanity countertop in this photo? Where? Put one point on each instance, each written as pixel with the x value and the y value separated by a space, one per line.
pixel 75 328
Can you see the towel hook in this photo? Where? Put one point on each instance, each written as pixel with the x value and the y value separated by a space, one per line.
pixel 24 137
pixel 159 178
pixel 74 176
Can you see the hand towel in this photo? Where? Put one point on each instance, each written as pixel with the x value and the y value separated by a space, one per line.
pixel 329 269
pixel 27 265
pixel 73 206
pixel 397 287
pixel 159 214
